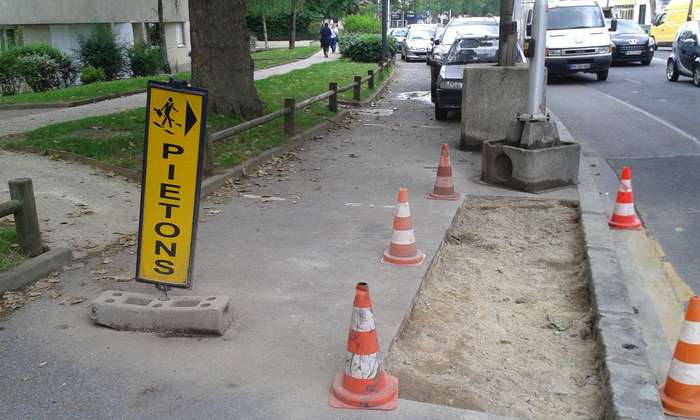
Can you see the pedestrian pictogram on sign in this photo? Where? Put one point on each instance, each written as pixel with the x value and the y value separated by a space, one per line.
pixel 172 168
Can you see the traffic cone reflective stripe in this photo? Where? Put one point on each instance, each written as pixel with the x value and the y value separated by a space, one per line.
pixel 624 215
pixel 363 383
pixel 681 393
pixel 444 188
pixel 402 249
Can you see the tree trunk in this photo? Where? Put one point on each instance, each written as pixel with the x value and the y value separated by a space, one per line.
pixel 265 31
pixel 161 34
pixel 221 59
pixel 507 36
pixel 293 25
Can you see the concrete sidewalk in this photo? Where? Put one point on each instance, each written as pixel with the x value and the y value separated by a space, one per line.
pixel 29 120
pixel 289 265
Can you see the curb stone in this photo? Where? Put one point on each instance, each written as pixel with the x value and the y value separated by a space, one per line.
pixel 630 385
pixel 34 268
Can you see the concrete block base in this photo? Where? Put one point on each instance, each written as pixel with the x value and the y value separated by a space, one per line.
pixel 492 97
pixel 530 170
pixel 120 310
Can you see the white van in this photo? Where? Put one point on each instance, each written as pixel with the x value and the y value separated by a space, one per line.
pixel 577 39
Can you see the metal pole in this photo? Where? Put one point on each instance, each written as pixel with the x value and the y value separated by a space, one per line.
pixel 535 91
pixel 385 29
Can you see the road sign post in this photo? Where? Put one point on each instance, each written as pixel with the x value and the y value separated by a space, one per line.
pixel 174 148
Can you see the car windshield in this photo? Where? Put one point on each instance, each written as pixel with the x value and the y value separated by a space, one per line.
pixel 399 32
pixel 455 31
pixel 473 50
pixel 575 17
pixel 421 33
pixel 627 27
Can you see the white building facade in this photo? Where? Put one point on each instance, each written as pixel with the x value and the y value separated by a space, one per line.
pixel 61 22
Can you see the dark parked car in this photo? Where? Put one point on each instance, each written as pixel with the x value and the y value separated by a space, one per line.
pixel 456 28
pixel 685 56
pixel 630 42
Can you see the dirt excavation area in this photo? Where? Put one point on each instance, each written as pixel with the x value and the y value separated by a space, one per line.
pixel 503 321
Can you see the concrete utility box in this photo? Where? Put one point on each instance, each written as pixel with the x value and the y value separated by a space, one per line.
pixel 531 170
pixel 492 96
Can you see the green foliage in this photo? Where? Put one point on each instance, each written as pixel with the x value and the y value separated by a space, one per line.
pixel 40 66
pixel 92 74
pixel 144 59
pixel 458 7
pixel 366 48
pixel 362 24
pixel 101 49
pixel 10 254
pixel 278 26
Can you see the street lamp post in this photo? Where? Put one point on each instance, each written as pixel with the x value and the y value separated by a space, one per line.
pixel 535 91
pixel 385 29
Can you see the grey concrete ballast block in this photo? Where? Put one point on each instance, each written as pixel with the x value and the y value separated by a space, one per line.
pixel 179 315
pixel 34 268
pixel 492 96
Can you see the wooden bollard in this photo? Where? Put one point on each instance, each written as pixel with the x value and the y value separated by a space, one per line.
pixel 290 117
pixel 26 220
pixel 333 99
pixel 370 79
pixel 357 88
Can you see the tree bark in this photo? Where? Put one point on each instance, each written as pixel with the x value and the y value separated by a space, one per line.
pixel 161 34
pixel 264 23
pixel 507 36
pixel 293 25
pixel 221 59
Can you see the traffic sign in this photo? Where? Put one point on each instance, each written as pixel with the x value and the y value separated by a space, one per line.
pixel 172 170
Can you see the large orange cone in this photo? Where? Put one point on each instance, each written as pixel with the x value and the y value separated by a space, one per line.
pixel 364 383
pixel 402 250
pixel 444 188
pixel 681 394
pixel 624 216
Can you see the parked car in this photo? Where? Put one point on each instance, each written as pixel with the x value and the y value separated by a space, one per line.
pixel 438 33
pixel 399 34
pixel 630 42
pixel 665 25
pixel 466 50
pixel 685 54
pixel 577 39
pixel 417 41
pixel 454 29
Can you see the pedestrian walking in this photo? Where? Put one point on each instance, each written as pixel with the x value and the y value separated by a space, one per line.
pixel 326 38
pixel 334 37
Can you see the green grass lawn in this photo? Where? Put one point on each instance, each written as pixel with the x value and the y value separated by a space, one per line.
pixel 262 59
pixel 10 254
pixel 279 56
pixel 118 138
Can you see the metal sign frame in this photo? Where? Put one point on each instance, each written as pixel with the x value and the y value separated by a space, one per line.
pixel 176 87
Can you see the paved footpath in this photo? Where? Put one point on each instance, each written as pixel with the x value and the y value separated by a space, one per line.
pixel 289 264
pixel 11 124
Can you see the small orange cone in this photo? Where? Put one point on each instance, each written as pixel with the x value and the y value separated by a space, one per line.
pixel 680 395
pixel 444 187
pixel 402 250
pixel 624 216
pixel 364 383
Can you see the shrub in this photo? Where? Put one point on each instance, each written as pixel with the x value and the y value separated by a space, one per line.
pixel 362 24
pixel 92 74
pixel 366 48
pixel 100 49
pixel 145 60
pixel 40 66
pixel 10 76
pixel 39 71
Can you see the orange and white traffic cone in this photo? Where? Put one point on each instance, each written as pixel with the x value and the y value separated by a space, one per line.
pixel 403 250
pixel 444 188
pixel 680 395
pixel 624 216
pixel 364 383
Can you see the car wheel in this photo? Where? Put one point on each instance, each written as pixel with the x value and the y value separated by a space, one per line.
pixel 403 57
pixel 656 46
pixel 646 62
pixel 440 113
pixel 696 76
pixel 602 75
pixel 671 70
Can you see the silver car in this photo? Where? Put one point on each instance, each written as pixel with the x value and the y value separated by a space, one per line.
pixel 418 42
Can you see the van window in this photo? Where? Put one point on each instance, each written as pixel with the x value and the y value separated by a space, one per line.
pixel 660 19
pixel 575 17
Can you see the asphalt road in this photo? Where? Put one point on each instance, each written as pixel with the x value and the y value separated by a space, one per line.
pixel 638 119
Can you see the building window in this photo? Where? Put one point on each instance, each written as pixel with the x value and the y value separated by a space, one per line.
pixel 8 39
pixel 626 11
pixel 180 33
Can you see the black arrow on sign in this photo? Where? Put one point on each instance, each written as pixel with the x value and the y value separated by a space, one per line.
pixel 190 118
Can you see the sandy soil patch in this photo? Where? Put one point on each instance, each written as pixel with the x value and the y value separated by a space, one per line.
pixel 503 322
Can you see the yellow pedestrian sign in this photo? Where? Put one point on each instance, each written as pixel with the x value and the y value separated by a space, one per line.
pixel 172 169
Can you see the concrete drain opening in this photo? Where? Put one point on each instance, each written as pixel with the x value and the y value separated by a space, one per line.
pixel 502 322
pixel 504 167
